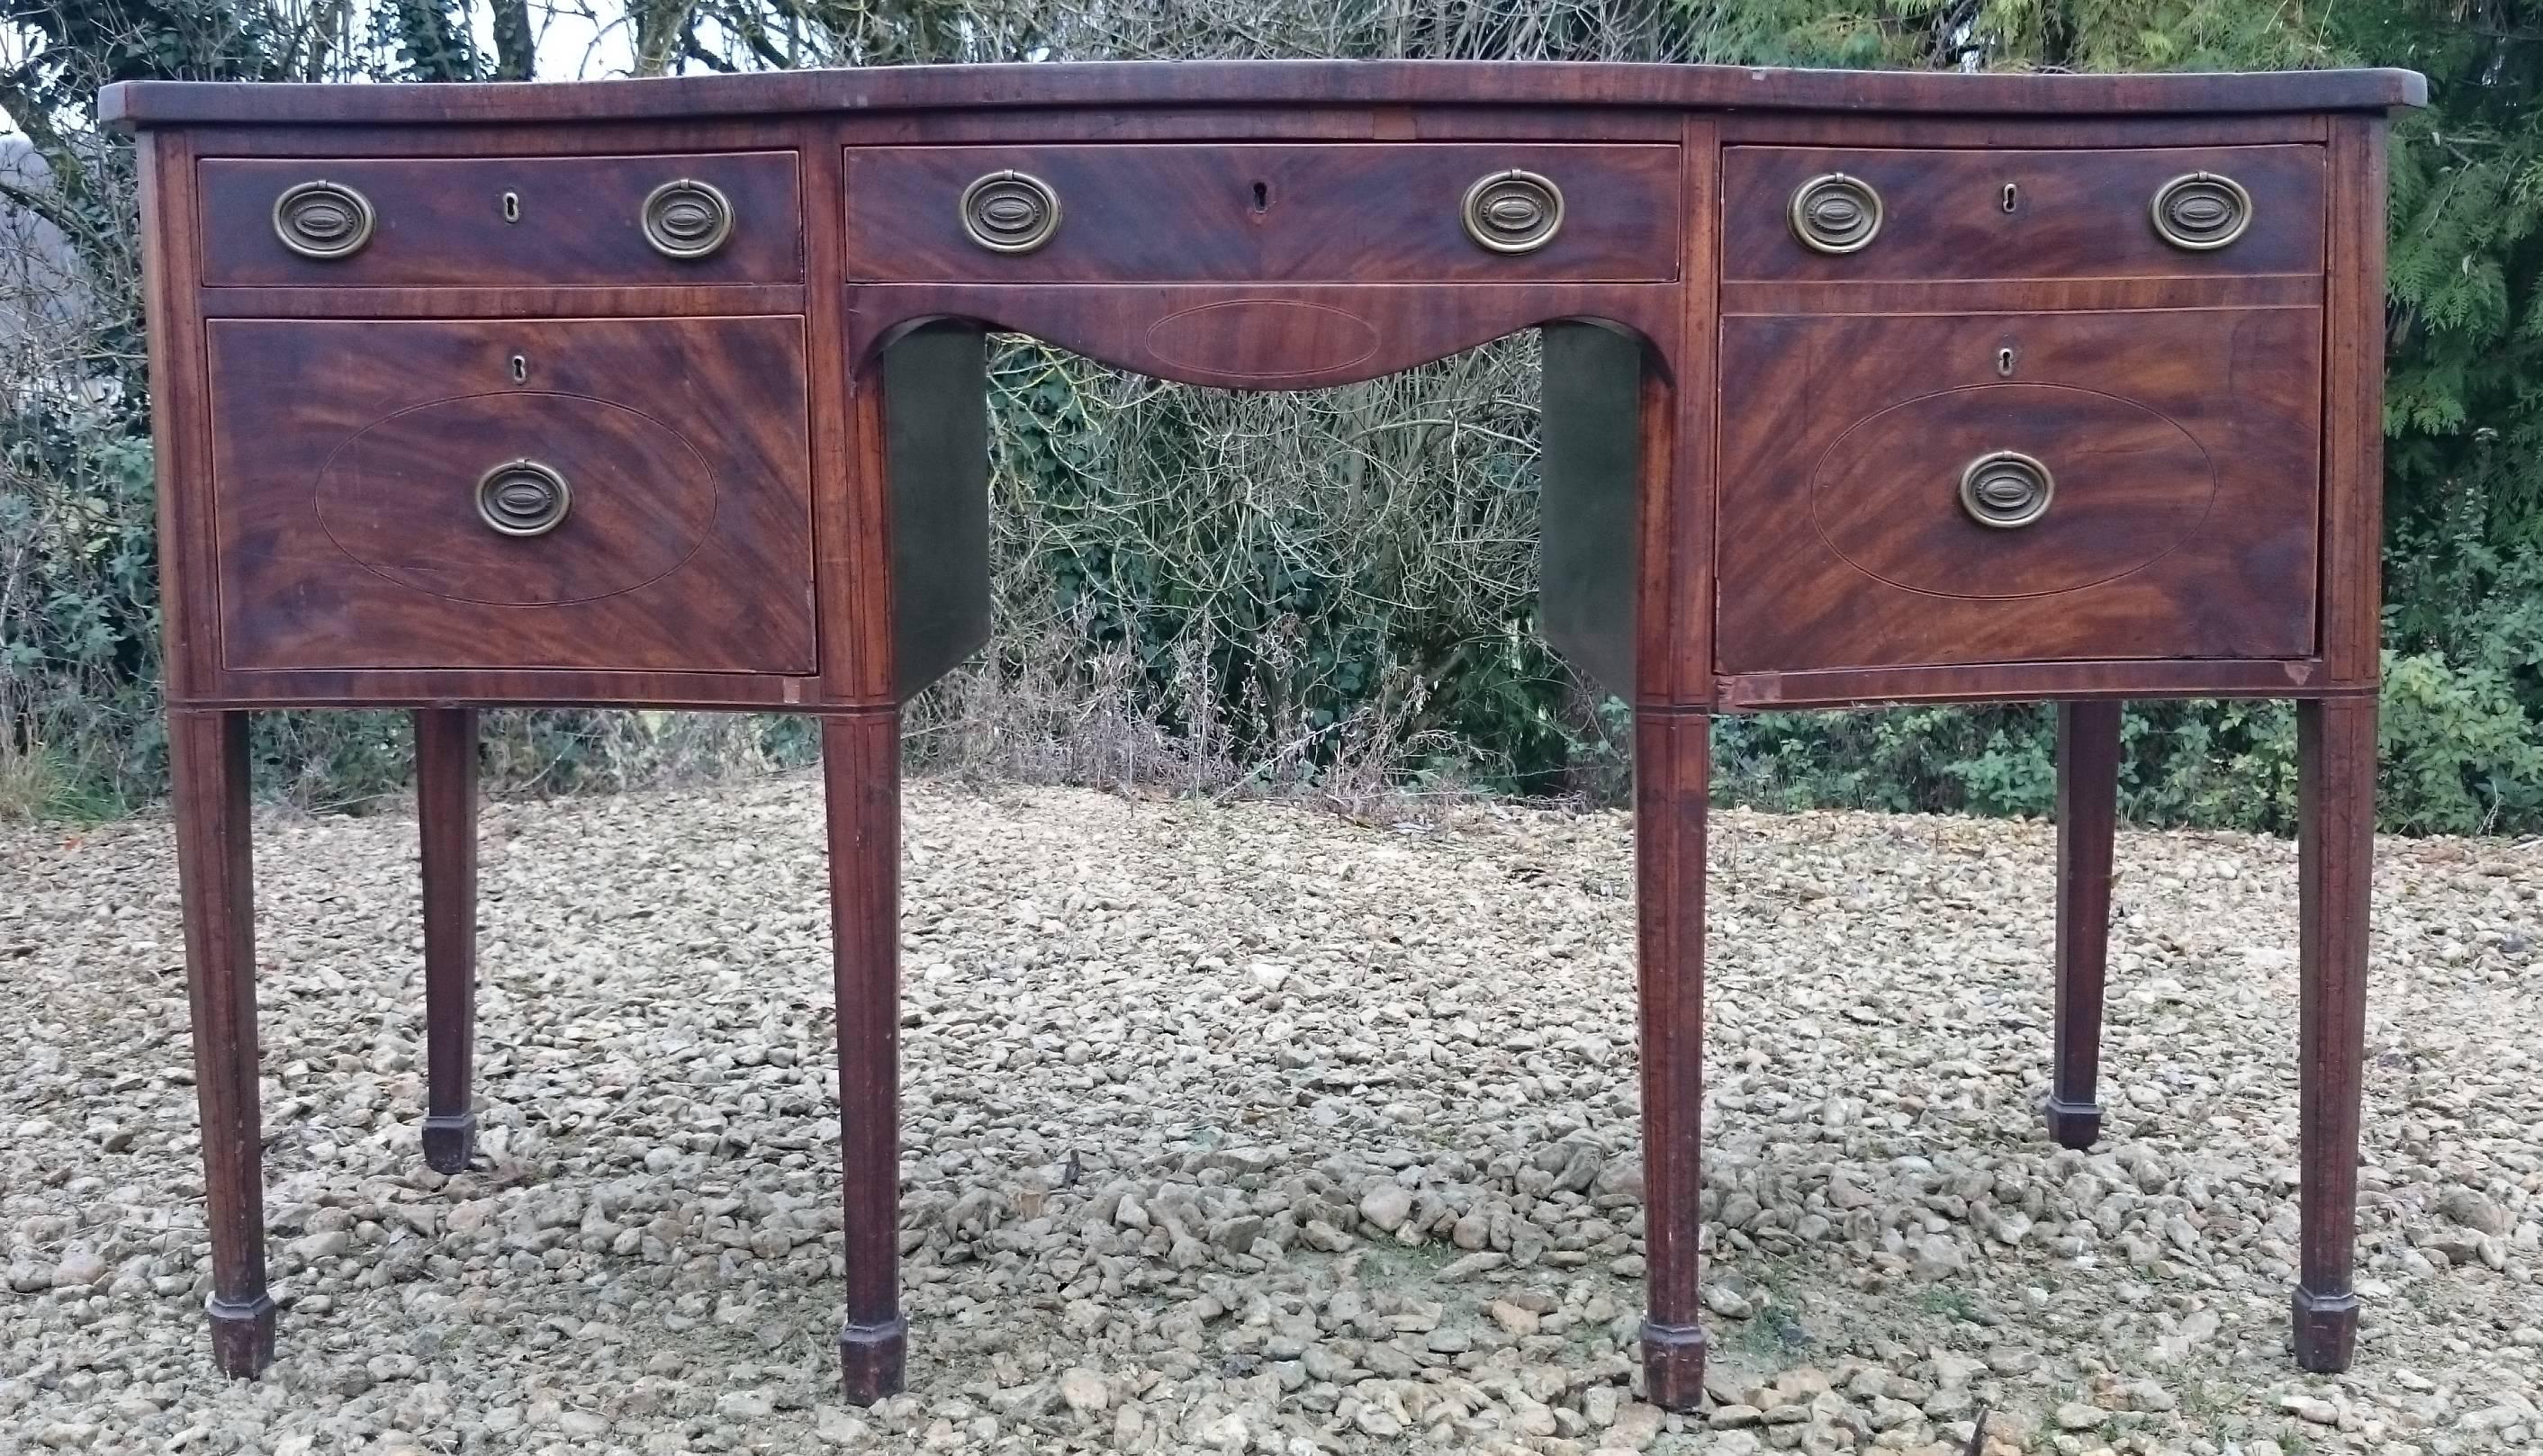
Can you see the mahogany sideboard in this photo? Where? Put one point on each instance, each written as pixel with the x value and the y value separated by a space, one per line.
pixel 1859 388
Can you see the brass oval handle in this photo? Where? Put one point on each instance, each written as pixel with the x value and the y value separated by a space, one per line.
pixel 1834 213
pixel 687 219
pixel 1010 211
pixel 523 497
pixel 2006 489
pixel 2201 212
pixel 324 220
pixel 1514 211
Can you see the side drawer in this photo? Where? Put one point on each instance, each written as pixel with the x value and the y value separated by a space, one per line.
pixel 1942 214
pixel 1339 212
pixel 730 217
pixel 1913 491
pixel 602 495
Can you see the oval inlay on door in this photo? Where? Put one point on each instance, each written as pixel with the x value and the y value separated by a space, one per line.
pixel 2131 486
pixel 402 499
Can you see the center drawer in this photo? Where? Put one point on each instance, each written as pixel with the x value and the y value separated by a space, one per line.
pixel 594 493
pixel 1262 214
pixel 1935 490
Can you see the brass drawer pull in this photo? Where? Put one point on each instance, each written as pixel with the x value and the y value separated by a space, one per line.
pixel 687 219
pixel 2201 210
pixel 1514 211
pixel 324 220
pixel 1009 212
pixel 1836 214
pixel 2006 489
pixel 523 497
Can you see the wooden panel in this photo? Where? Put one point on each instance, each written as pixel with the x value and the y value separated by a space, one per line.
pixel 1343 212
pixel 2076 213
pixel 441 220
pixel 346 458
pixel 2027 682
pixel 2183 446
pixel 936 451
pixel 1143 84
pixel 2353 616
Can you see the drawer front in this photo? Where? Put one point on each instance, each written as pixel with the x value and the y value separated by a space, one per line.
pixel 501 221
pixel 1264 215
pixel 1894 492
pixel 605 495
pixel 1944 214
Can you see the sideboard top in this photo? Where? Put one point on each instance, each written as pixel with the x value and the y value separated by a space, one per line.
pixel 142 103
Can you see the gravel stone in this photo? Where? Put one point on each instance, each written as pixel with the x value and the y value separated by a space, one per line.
pixel 1208 1105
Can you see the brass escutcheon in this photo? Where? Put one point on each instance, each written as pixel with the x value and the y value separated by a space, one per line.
pixel 2201 210
pixel 324 220
pixel 523 497
pixel 1514 211
pixel 1009 212
pixel 2006 489
pixel 687 219
pixel 1836 214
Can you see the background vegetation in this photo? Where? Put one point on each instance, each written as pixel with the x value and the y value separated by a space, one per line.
pixel 1333 590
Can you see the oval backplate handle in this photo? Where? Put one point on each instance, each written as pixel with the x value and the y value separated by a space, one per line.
pixel 1834 213
pixel 1010 211
pixel 1514 211
pixel 2006 490
pixel 524 498
pixel 322 220
pixel 2201 212
pixel 687 219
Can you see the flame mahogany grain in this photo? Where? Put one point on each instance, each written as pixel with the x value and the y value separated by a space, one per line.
pixel 1754 451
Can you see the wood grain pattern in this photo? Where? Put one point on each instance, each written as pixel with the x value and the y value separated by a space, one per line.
pixel 441 222
pixel 1672 784
pixel 2019 295
pixel 2088 798
pixel 1266 83
pixel 1264 215
pixel 2353 524
pixel 2076 213
pixel 347 456
pixel 445 811
pixel 1266 338
pixel 2184 450
pixel 861 785
pixel 2335 883
pixel 216 879
pixel 2014 682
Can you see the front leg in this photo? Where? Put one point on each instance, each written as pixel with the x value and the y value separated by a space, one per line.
pixel 1673 777
pixel 861 782
pixel 2088 798
pixel 215 880
pixel 2334 874
pixel 445 797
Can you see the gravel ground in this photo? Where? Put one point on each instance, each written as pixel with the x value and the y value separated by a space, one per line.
pixel 1245 1128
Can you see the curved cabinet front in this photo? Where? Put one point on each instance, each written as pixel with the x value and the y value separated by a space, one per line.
pixel 603 495
pixel 1921 491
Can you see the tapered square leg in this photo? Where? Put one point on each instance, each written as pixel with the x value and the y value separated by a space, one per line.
pixel 1672 776
pixel 216 878
pixel 2335 851
pixel 445 796
pixel 2088 801
pixel 861 780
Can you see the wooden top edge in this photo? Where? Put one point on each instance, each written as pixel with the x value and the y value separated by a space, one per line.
pixel 141 103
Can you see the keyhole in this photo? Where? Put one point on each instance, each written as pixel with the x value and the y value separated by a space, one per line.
pixel 2004 362
pixel 2009 197
pixel 1262 197
pixel 511 206
pixel 520 370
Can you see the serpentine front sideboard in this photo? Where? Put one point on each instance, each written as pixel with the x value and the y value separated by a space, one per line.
pixel 1859 388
